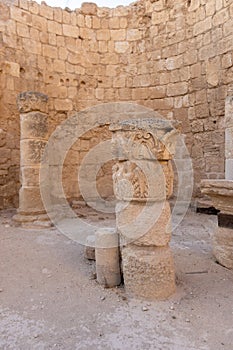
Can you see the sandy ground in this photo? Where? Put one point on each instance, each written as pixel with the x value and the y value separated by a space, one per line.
pixel 49 299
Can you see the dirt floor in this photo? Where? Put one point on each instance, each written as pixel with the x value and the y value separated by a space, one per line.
pixel 49 299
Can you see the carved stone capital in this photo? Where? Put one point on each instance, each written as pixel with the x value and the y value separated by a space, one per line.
pixel 146 139
pixel 30 101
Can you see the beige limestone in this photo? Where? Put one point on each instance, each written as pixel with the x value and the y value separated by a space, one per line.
pixel 34 132
pixel 107 258
pixel 154 223
pixel 223 246
pixel 221 193
pixel 162 52
pixel 89 252
pixel 143 215
pixel 148 272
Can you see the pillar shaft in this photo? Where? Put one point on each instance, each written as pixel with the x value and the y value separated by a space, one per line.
pixel 143 182
pixel 33 138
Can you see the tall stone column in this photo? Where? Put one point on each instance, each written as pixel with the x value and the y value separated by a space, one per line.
pixel 33 138
pixel 143 182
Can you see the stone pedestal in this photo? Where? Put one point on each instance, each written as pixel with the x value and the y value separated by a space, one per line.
pixel 221 193
pixel 34 135
pixel 143 182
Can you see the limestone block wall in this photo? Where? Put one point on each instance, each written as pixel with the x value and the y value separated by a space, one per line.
pixel 174 56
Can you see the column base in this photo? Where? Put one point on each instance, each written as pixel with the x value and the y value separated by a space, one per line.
pixel 39 221
pixel 149 272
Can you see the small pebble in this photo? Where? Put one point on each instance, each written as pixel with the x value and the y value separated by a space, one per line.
pixel 36 335
pixel 172 308
pixel 1 290
pixel 7 226
pixel 187 320
pixel 102 298
pixel 144 308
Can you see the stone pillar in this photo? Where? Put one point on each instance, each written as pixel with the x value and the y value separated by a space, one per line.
pixel 229 138
pixel 34 135
pixel 143 182
pixel 107 258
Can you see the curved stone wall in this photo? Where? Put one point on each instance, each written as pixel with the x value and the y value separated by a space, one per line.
pixel 174 56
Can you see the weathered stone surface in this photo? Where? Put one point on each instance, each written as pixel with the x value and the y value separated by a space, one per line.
pixel 32 152
pixel 142 182
pixel 107 258
pixel 34 125
pixel 30 201
pixel 145 139
pixel 153 227
pixel 221 193
pixel 32 101
pixel 223 246
pixel 70 55
pixel 90 248
pixel 148 272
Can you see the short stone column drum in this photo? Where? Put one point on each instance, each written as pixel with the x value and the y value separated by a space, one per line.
pixel 143 182
pixel 33 139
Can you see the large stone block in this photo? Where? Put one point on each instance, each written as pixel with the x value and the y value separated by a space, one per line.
pixel 144 225
pixel 148 272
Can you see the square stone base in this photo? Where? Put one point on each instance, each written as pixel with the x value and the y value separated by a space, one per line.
pixel 149 272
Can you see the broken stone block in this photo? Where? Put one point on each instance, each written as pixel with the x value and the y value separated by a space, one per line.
pixel 107 258
pixel 148 272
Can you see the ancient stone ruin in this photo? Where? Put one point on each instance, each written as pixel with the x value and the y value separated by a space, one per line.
pixel 172 59
pixel 144 149
pixel 221 193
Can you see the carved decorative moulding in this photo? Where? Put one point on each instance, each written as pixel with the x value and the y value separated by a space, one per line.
pixel 146 139
pixel 32 101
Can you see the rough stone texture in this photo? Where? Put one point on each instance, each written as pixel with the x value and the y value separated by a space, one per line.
pixel 223 246
pixel 229 138
pixel 157 231
pixel 221 193
pixel 172 56
pixel 148 272
pixel 143 214
pixel 34 126
pixel 90 248
pixel 107 258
